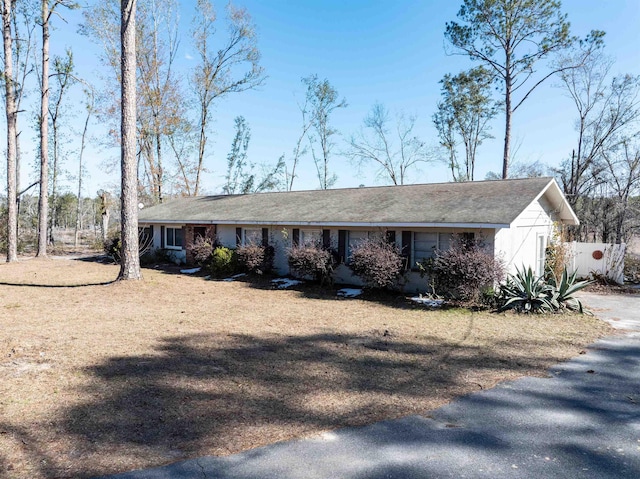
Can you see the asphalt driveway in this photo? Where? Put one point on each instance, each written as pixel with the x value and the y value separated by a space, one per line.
pixel 581 422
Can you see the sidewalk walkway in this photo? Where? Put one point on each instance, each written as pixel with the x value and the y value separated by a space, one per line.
pixel 582 422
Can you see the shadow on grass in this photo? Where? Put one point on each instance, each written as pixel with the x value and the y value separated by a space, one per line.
pixel 56 286
pixel 205 394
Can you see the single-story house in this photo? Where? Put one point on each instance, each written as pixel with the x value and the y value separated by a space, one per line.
pixel 513 217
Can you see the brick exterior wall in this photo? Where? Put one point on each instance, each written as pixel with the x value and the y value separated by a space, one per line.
pixel 189 237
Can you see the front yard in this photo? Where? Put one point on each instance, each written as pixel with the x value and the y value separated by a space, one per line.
pixel 100 377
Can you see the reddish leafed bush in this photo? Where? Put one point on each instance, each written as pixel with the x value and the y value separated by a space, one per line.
pixel 464 271
pixel 202 249
pixel 255 258
pixel 377 262
pixel 311 260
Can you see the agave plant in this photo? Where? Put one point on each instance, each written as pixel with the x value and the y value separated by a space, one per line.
pixel 526 293
pixel 564 290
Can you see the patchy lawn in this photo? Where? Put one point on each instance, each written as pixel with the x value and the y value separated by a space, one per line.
pixel 100 377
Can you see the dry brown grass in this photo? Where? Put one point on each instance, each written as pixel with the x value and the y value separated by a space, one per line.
pixel 101 377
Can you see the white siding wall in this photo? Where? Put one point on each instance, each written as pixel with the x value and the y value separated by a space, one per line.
pixel 519 245
pixel 226 235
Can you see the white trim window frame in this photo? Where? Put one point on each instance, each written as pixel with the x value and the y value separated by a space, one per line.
pixel 173 238
pixel 541 253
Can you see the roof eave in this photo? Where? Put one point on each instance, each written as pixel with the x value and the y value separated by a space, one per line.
pixel 562 206
pixel 338 224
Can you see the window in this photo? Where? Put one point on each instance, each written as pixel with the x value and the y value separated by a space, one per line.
pixel 468 238
pixel 347 240
pixel 540 254
pixel 145 232
pixel 173 238
pixel 311 237
pixel 356 237
pixel 253 236
pixel 445 240
pixel 145 237
pixel 425 245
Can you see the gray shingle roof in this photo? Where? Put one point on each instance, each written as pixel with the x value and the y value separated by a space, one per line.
pixel 478 203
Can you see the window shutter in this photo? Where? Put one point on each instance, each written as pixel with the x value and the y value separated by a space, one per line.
pixel 468 239
pixel 406 248
pixel 326 239
pixel 162 237
pixel 238 236
pixel 295 237
pixel 342 245
pixel 391 237
pixel 265 237
pixel 179 237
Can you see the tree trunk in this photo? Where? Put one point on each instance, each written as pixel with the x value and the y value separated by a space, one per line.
pixel 159 164
pixel 130 261
pixel 12 115
pixel 105 224
pixel 43 203
pixel 79 205
pixel 54 184
pixel 201 146
pixel 507 127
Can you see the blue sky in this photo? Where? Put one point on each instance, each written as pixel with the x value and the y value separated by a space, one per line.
pixel 391 52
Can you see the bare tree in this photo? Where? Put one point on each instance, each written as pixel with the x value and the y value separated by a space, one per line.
pixel 48 9
pixel 322 100
pixel 161 101
pixel 233 67
pixel 130 261
pixel 64 79
pixel 24 23
pixel 12 113
pixel 394 149
pixel 241 177
pixel 89 105
pixel 622 175
pixel 511 38
pixel 606 107
pixel 300 149
pixel 463 116
pixel 599 175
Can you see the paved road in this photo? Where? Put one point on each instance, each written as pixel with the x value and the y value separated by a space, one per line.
pixel 582 422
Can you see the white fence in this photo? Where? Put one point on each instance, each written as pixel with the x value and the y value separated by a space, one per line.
pixel 599 259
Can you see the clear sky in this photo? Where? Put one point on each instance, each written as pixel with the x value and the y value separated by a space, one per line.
pixel 391 52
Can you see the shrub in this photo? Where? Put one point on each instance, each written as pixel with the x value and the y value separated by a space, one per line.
pixel 113 245
pixel 256 258
pixel 557 253
pixel 201 249
pixel 464 271
pixel 311 260
pixel 564 289
pixel 221 263
pixel 377 262
pixel 525 293
pixel 632 268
